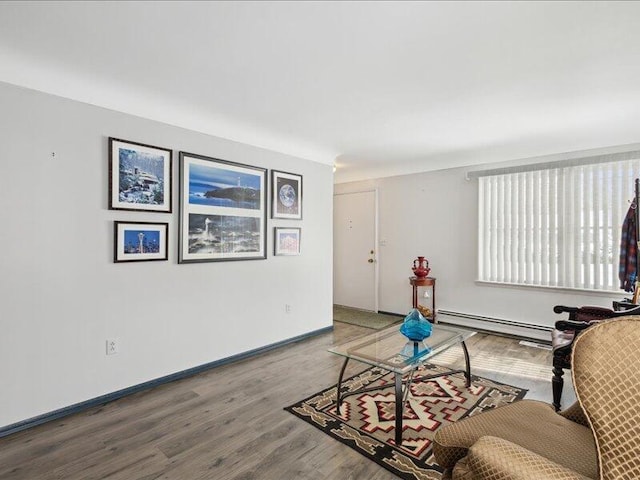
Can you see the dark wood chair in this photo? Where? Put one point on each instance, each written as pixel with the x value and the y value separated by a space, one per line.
pixel 565 332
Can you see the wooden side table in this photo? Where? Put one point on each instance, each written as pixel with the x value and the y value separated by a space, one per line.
pixel 424 282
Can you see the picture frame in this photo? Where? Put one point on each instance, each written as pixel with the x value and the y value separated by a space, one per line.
pixel 223 210
pixel 140 241
pixel 140 176
pixel 286 191
pixel 286 241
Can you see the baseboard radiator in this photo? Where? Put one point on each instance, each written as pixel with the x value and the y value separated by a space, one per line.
pixel 497 321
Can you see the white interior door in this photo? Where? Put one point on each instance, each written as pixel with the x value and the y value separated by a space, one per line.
pixel 355 271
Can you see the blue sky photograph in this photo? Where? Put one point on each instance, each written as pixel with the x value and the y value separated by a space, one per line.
pixel 201 176
pixel 131 236
pixel 222 187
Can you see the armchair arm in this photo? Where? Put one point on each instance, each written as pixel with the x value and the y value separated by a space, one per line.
pixel 627 312
pixel 590 313
pixel 586 313
pixel 575 325
pixel 563 309
pixel 493 458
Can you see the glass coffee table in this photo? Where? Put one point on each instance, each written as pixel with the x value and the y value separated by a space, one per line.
pixel 392 351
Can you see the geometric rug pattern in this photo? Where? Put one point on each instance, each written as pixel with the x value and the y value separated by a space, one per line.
pixel 366 421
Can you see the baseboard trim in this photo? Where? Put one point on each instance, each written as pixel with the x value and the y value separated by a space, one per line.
pixel 488 321
pixel 501 321
pixel 110 397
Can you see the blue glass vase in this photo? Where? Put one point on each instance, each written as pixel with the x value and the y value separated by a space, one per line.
pixel 415 327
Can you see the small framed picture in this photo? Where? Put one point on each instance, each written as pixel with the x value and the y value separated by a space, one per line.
pixel 139 177
pixel 286 189
pixel 140 241
pixel 287 241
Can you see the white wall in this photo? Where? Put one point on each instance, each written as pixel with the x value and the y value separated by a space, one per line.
pixel 61 295
pixel 435 214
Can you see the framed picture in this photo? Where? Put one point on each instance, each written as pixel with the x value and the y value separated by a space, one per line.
pixel 140 241
pixel 287 241
pixel 223 210
pixel 286 189
pixel 139 177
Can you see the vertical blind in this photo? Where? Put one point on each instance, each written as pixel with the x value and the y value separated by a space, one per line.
pixel 556 227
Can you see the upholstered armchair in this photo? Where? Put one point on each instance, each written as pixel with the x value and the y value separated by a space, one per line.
pixel 564 334
pixel 597 438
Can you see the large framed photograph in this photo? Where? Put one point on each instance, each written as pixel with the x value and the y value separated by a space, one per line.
pixel 223 210
pixel 287 241
pixel 286 189
pixel 140 241
pixel 139 176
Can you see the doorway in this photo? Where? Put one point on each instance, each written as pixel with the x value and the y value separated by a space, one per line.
pixel 355 267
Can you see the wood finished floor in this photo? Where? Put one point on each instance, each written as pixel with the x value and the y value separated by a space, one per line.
pixel 229 423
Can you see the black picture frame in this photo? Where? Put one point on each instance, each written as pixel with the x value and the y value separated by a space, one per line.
pixel 140 241
pixel 286 195
pixel 140 176
pixel 223 210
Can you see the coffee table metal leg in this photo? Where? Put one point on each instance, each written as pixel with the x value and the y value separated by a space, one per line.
pixel 407 389
pixel 339 386
pixel 399 405
pixel 467 372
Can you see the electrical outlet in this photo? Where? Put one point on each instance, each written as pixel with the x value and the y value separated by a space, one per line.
pixel 113 346
pixel 287 308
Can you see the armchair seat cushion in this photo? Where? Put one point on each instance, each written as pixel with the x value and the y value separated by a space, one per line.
pixel 497 459
pixel 553 436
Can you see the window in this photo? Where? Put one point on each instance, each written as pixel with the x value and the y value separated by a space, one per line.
pixel 558 226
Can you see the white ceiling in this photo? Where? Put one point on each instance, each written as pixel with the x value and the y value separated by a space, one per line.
pixel 378 88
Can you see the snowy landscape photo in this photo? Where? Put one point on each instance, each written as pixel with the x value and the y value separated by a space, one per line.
pixel 140 177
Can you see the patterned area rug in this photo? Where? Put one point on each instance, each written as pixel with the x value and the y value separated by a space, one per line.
pixel 367 420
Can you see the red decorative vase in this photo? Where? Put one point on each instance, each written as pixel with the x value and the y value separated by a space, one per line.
pixel 422 269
